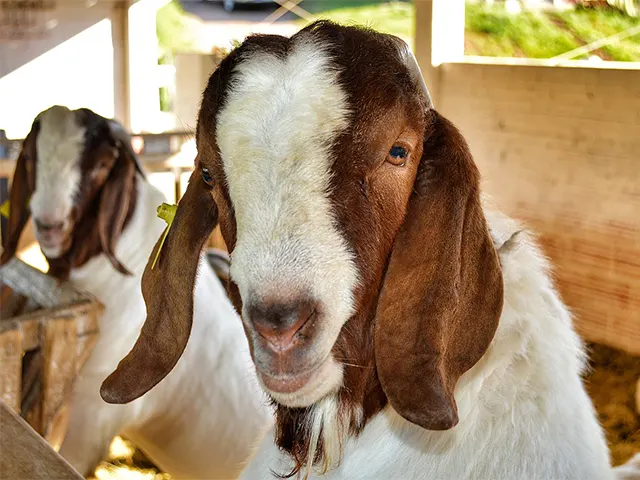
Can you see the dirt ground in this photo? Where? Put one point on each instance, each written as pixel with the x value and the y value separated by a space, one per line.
pixel 611 382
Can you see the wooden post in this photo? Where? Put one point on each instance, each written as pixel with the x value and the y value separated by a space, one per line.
pixel 11 360
pixel 448 31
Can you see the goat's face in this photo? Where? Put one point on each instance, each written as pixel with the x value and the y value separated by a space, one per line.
pixel 361 260
pixel 68 161
pixel 312 186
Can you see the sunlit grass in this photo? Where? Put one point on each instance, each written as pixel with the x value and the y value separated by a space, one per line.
pixel 492 31
pixel 395 17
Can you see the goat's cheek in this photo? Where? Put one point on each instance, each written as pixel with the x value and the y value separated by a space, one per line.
pixel 392 188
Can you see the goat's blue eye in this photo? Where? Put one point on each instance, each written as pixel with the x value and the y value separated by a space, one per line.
pixel 398 155
pixel 398 152
pixel 206 176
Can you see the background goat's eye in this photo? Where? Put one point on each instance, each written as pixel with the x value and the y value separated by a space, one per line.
pixel 206 176
pixel 398 155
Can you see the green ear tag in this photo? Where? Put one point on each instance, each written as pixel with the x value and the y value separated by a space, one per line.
pixel 167 213
pixel 4 209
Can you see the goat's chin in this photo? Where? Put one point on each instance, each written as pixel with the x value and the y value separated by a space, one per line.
pixel 56 247
pixel 52 251
pixel 305 389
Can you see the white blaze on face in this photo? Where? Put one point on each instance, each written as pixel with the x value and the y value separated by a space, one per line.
pixel 274 133
pixel 59 145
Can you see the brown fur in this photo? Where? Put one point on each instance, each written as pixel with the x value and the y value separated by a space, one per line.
pixel 103 207
pixel 430 292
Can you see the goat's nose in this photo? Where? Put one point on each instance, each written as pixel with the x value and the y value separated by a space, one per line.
pixel 279 323
pixel 48 224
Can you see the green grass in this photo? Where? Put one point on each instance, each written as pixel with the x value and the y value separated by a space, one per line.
pixel 590 27
pixel 491 31
pixel 396 17
pixel 173 30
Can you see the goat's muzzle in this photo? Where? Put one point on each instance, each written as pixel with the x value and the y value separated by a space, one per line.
pixel 284 337
pixel 53 235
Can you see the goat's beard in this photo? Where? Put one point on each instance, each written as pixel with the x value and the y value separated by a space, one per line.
pixel 314 436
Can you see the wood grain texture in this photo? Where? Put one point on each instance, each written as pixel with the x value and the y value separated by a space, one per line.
pixel 11 374
pixel 559 149
pixel 43 350
pixel 26 455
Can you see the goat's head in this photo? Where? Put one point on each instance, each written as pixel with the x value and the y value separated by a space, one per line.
pixel 361 260
pixel 75 176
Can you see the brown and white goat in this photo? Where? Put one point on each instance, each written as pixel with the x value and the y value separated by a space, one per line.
pixel 397 336
pixel 95 219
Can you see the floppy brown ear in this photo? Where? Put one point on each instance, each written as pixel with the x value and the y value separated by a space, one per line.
pixel 443 292
pixel 115 200
pixel 168 293
pixel 123 139
pixel 22 187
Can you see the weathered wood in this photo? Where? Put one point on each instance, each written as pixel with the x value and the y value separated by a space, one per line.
pixel 59 369
pixel 45 290
pixel 11 362
pixel 26 455
pixel 558 149
pixel 43 350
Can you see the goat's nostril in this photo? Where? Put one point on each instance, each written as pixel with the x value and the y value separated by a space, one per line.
pixel 279 323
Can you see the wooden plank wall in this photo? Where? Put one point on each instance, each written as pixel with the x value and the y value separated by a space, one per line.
pixel 559 148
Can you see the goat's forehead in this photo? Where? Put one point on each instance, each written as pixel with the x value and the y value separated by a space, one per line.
pixel 279 119
pixel 60 140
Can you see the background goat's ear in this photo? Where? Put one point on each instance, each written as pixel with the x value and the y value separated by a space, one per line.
pixel 442 295
pixel 115 200
pixel 168 293
pixel 123 139
pixel 22 187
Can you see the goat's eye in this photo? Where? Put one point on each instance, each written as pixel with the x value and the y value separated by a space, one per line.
pixel 206 176
pixel 398 155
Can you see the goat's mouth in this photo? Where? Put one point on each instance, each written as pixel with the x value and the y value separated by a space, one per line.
pixel 303 388
pixel 53 244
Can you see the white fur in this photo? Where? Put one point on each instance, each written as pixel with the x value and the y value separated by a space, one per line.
pixel 275 129
pixel 524 412
pixel 59 145
pixel 202 420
